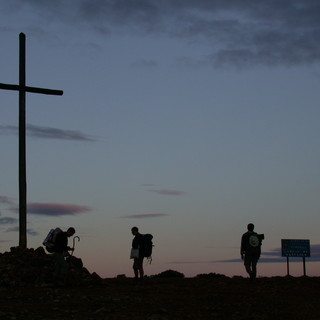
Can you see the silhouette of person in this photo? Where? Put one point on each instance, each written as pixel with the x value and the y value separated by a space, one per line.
pixel 251 250
pixel 137 243
pixel 61 249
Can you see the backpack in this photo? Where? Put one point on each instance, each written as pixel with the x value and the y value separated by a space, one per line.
pixel 252 244
pixel 147 245
pixel 254 241
pixel 50 239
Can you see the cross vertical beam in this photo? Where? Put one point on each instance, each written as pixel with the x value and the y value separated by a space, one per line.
pixel 22 88
pixel 22 144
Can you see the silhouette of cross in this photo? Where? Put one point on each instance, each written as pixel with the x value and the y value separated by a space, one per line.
pixel 22 88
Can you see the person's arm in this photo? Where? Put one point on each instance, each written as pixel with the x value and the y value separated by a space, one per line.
pixel 135 243
pixel 242 251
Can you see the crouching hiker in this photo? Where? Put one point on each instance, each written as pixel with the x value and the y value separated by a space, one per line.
pixel 60 252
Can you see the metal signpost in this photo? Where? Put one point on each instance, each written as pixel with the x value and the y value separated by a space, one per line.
pixel 295 248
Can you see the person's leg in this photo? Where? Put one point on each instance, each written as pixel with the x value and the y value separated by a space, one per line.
pixel 254 267
pixel 247 264
pixel 141 271
pixel 61 268
pixel 140 266
pixel 135 268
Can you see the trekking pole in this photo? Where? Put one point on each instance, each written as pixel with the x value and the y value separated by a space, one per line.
pixel 73 243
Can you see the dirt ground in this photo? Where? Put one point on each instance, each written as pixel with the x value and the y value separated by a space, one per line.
pixel 171 298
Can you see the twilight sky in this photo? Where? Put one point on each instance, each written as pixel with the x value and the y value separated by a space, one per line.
pixel 186 118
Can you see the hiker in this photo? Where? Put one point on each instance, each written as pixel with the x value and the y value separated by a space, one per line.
pixel 250 250
pixel 137 243
pixel 60 250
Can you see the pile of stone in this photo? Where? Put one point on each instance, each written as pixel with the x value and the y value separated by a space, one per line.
pixel 34 267
pixel 169 274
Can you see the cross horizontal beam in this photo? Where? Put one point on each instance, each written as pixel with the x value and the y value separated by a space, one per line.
pixel 30 89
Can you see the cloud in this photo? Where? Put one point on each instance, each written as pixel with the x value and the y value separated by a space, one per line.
pixel 53 133
pixel 4 241
pixel 57 210
pixel 9 130
pixel 30 232
pixel 272 256
pixel 189 262
pixel 6 200
pixel 145 215
pixel 239 33
pixel 48 133
pixel 7 220
pixel 168 192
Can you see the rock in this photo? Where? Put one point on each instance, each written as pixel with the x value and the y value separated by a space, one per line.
pixel 29 267
pixel 169 274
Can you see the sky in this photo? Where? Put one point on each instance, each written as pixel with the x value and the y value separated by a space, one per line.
pixel 186 118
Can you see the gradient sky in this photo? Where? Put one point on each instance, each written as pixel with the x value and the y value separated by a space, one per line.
pixel 186 118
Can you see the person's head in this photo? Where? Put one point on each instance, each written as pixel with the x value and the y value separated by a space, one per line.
pixel 71 231
pixel 250 227
pixel 134 230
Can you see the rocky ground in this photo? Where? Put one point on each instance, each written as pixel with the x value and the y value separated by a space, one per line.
pixel 26 295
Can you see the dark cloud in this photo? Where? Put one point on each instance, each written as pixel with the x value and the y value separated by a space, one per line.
pixel 30 232
pixel 4 241
pixel 168 192
pixel 56 210
pixel 48 133
pixel 242 33
pixel 272 256
pixel 8 220
pixel 9 130
pixel 6 200
pixel 145 215
pixel 54 133
pixel 189 262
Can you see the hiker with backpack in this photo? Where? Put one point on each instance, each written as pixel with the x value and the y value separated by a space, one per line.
pixel 137 244
pixel 251 250
pixel 60 252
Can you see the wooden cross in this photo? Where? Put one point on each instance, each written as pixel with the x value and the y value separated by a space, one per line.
pixel 22 88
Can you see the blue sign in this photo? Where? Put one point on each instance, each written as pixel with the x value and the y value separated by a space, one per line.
pixel 295 248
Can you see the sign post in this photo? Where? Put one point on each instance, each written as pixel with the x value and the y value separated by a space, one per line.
pixel 295 248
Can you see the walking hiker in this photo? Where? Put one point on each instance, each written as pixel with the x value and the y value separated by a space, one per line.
pixel 137 244
pixel 60 252
pixel 251 250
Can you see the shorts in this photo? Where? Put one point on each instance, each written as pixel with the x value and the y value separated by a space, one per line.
pixel 138 263
pixel 251 259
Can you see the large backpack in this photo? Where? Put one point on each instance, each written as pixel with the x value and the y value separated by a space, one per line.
pixel 254 240
pixel 147 245
pixel 49 241
pixel 253 243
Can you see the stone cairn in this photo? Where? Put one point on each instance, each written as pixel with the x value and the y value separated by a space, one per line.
pixel 34 267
